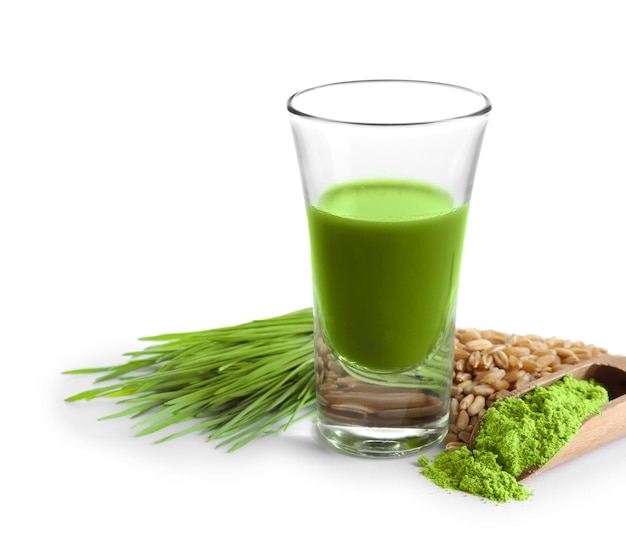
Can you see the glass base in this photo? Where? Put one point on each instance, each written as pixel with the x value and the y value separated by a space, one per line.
pixel 383 413
pixel 379 442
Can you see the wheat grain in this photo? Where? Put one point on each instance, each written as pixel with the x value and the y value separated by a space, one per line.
pixel 490 365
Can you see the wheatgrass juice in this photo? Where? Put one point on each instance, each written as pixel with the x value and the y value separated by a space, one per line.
pixel 385 257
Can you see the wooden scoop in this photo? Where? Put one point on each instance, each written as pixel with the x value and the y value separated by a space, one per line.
pixel 610 372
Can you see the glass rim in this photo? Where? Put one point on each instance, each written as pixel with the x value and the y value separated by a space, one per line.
pixel 479 111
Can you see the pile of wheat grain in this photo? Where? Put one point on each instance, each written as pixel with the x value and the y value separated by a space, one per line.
pixel 489 365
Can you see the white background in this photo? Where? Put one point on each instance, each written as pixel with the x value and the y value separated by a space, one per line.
pixel 149 184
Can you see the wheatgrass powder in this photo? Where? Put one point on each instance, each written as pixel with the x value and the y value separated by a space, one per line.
pixel 517 434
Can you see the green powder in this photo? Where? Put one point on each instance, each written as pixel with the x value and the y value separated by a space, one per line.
pixel 476 472
pixel 517 434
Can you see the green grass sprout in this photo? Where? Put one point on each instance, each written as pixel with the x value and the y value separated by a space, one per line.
pixel 231 384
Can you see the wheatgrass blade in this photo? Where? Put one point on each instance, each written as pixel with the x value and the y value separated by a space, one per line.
pixel 94 393
pixel 240 382
pixel 243 416
pixel 260 430
pixel 257 406
pixel 162 419
pixel 262 426
pixel 133 411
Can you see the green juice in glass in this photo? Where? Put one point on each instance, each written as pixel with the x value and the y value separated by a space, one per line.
pixel 386 256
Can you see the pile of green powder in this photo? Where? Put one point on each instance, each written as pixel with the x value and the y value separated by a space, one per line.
pixel 517 434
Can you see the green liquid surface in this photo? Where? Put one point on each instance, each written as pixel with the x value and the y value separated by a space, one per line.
pixel 385 257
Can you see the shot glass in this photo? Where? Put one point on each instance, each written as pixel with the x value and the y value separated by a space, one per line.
pixel 387 169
